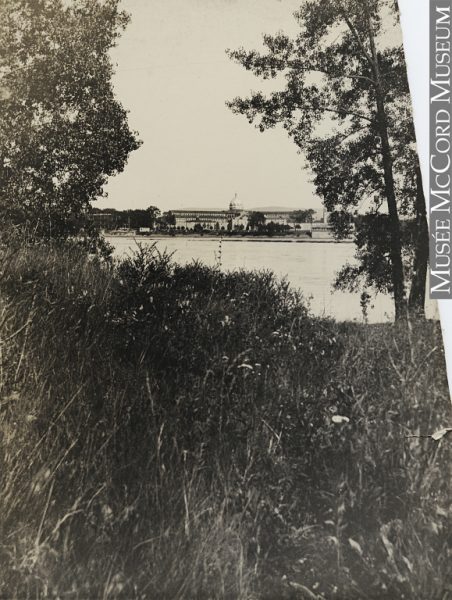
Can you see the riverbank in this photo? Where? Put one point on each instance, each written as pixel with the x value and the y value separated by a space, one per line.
pixel 310 267
pixel 242 238
pixel 178 432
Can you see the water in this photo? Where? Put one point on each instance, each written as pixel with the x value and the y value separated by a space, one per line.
pixel 308 266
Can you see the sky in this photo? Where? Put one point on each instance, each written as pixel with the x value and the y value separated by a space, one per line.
pixel 173 75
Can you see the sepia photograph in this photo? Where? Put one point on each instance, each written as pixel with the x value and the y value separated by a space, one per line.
pixel 222 368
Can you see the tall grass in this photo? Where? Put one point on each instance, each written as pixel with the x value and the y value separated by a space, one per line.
pixel 178 432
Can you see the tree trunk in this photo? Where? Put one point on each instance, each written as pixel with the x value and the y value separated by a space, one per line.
pixel 416 301
pixel 397 275
pixel 398 280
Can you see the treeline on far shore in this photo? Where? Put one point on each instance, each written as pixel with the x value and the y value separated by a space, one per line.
pixel 178 432
pixel 152 219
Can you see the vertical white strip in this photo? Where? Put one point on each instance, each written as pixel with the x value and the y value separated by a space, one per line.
pixel 415 26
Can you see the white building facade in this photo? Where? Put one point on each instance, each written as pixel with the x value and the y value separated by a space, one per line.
pixel 236 218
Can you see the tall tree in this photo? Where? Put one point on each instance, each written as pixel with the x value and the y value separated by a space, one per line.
pixel 345 92
pixel 62 131
pixel 154 213
pixel 256 219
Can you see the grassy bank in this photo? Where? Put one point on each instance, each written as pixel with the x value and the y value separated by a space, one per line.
pixel 175 432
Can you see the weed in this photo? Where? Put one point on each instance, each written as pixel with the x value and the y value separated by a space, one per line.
pixel 178 432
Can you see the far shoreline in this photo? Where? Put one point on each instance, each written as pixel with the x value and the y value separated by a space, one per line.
pixel 226 238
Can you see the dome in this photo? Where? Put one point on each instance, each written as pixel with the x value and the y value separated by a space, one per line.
pixel 234 204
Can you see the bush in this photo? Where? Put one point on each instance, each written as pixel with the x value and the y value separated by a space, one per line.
pixel 181 432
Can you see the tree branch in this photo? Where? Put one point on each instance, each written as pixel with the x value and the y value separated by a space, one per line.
pixel 355 33
pixel 372 81
pixel 349 134
pixel 346 112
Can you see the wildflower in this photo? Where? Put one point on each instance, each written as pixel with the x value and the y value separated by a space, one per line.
pixel 340 419
pixel 107 512
pixel 355 546
pixel 441 433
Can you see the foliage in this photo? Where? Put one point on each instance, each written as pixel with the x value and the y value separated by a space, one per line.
pixel 346 105
pixel 154 213
pixel 62 131
pixel 343 224
pixel 304 216
pixel 167 220
pixel 373 252
pixel 211 439
pixel 256 220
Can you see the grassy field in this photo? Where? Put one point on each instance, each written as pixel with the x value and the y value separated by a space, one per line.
pixel 176 432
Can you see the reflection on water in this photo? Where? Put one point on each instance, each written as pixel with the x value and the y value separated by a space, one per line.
pixel 308 266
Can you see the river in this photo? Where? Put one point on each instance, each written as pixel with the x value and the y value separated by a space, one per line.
pixel 308 266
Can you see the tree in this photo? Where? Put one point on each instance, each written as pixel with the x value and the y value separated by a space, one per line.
pixel 136 218
pixel 256 220
pixel 304 216
pixel 342 76
pixel 171 219
pixel 339 187
pixel 62 131
pixel 167 220
pixel 154 214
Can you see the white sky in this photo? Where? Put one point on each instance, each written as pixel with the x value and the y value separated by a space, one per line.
pixel 174 76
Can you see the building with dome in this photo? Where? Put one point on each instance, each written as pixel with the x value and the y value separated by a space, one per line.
pixel 235 205
pixel 236 218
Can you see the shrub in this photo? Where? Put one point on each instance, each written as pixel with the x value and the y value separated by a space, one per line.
pixel 181 432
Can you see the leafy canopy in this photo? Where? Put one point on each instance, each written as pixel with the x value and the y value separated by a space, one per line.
pixel 62 131
pixel 336 80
